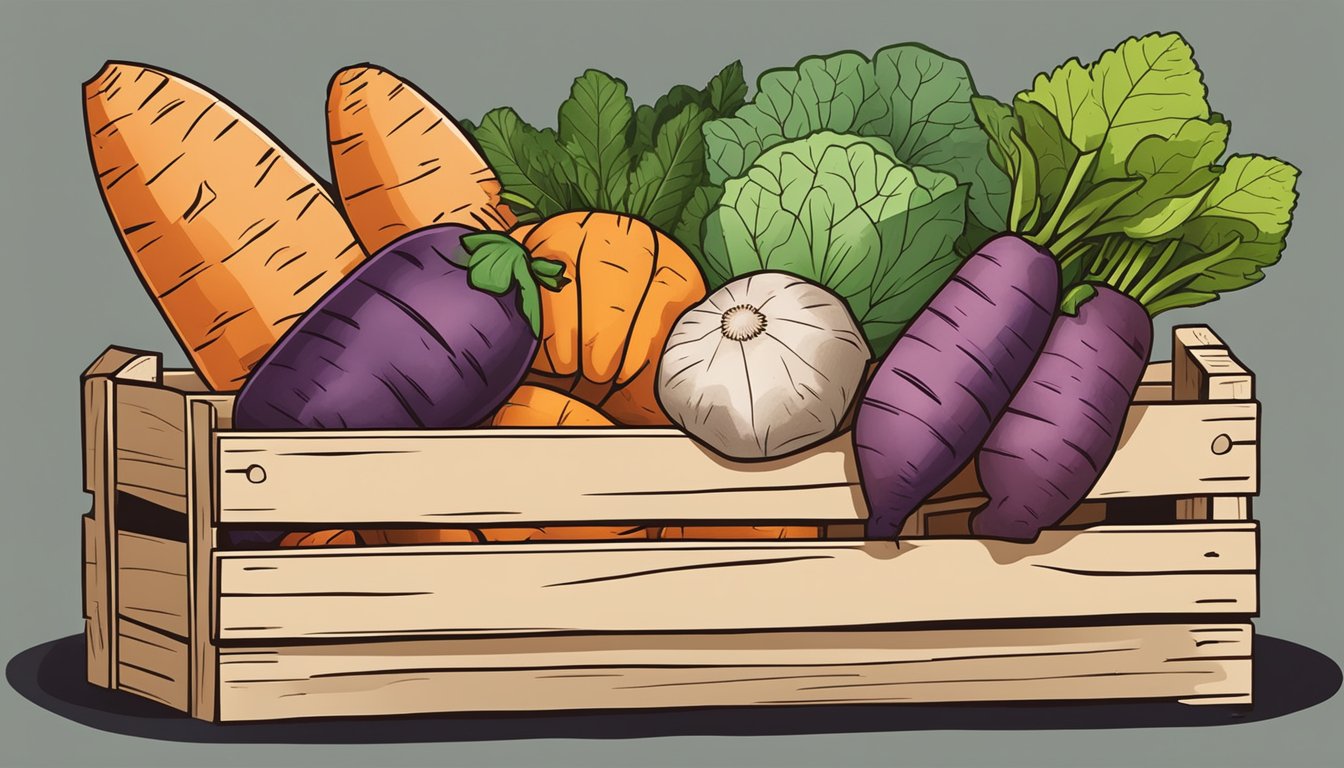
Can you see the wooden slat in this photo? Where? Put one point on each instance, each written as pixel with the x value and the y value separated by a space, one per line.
pixel 1204 368
pixel 1227 508
pixel 1155 385
pixel 500 674
pixel 151 445
pixel 1172 450
pixel 649 475
pixel 200 592
pixel 152 581
pixel 675 586
pixel 153 665
pixel 99 417
pixel 97 624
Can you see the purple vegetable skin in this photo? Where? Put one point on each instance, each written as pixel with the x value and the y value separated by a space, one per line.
pixel 1059 431
pixel 404 341
pixel 949 376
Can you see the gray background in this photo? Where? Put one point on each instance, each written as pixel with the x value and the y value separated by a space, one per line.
pixel 1274 68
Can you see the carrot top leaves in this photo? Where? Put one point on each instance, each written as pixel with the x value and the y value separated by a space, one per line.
pixel 1114 169
pixel 496 263
pixel 606 154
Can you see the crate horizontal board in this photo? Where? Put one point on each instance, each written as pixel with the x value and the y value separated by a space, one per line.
pixel 777 668
pixel 669 586
pixel 643 475
pixel 1145 592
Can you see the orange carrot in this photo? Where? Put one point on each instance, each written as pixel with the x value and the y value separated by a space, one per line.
pixel 603 333
pixel 568 533
pixel 534 406
pixel 401 163
pixel 329 538
pixel 232 236
pixel 741 532
pixel 386 536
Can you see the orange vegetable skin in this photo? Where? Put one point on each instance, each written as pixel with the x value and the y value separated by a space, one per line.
pixel 231 235
pixel 603 333
pixel 401 163
pixel 568 533
pixel 534 406
pixel 741 532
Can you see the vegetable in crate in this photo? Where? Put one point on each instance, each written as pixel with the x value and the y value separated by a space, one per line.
pixel 233 237
pixel 842 212
pixel 602 335
pixel 768 365
pixel 402 163
pixel 536 406
pixel 608 185
pixel 911 100
pixel 1179 229
pixel 1080 150
pixel 434 331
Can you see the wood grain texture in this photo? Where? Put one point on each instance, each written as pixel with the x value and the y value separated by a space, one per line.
pixel 151 445
pixel 661 586
pixel 200 591
pixel 649 475
pixel 1155 384
pixel 97 623
pixel 153 665
pixel 152 581
pixel 1204 368
pixel 99 423
pixel 1191 661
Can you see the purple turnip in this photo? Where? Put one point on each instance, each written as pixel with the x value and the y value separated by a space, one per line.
pixel 1059 431
pixel 434 331
pixel 949 376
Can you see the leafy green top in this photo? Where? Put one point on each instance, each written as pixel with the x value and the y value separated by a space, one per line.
pixel 916 100
pixel 843 212
pixel 605 153
pixel 496 263
pixel 1114 168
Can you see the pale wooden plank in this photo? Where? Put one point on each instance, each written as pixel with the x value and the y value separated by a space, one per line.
pixel 157 664
pixel 151 575
pixel 651 475
pixel 185 381
pixel 1155 384
pixel 665 585
pixel 647 474
pixel 99 420
pixel 1173 450
pixel 1204 368
pixel 1227 508
pixel 94 588
pixel 502 674
pixel 202 421
pixel 151 444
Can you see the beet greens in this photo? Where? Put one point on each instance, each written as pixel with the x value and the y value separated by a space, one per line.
pixel 1182 230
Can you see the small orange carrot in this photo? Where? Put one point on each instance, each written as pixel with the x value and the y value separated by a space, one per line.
pixel 401 163
pixel 536 406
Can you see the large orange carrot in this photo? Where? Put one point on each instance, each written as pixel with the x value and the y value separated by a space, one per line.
pixel 400 162
pixel 232 236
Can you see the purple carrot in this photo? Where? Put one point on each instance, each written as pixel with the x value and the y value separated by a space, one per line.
pixel 408 340
pixel 948 377
pixel 1060 430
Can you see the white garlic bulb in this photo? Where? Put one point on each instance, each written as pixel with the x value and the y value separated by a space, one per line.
pixel 765 366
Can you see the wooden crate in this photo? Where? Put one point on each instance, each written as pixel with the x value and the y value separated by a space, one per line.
pixel 1145 592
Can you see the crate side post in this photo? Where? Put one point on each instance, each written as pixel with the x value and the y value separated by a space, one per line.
pixel 1204 370
pixel 202 420
pixel 98 421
